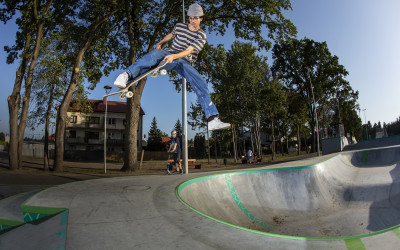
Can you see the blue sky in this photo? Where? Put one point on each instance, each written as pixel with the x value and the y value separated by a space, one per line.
pixel 364 35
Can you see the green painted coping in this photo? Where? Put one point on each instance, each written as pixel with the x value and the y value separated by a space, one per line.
pixel 32 213
pixel 241 206
pixel 7 224
pixel 354 244
pixel 395 229
pixel 397 232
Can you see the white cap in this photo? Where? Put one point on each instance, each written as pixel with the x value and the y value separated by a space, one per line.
pixel 195 10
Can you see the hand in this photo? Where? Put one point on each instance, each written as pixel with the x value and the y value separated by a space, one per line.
pixel 158 46
pixel 169 58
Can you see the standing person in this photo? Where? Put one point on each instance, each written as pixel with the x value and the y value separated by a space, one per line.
pixel 175 149
pixel 249 156
pixel 188 41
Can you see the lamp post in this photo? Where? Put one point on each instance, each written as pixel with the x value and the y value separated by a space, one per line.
pixel 315 110
pixel 107 89
pixel 366 125
pixel 184 113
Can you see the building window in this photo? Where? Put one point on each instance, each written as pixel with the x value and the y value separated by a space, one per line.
pixel 73 119
pixel 72 147
pixel 110 136
pixel 92 135
pixel 111 121
pixel 92 120
pixel 72 134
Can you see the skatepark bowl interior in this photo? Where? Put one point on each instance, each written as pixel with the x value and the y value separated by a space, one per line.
pixel 351 195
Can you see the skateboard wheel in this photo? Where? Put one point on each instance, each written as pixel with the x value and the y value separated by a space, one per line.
pixel 122 96
pixel 163 72
pixel 129 94
pixel 154 74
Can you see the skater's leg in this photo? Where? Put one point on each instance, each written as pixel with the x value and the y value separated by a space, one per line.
pixel 142 65
pixel 146 62
pixel 199 86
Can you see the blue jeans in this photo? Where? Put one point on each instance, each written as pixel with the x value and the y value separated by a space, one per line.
pixel 184 68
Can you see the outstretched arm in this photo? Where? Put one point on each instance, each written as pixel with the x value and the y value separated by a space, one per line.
pixel 184 53
pixel 166 38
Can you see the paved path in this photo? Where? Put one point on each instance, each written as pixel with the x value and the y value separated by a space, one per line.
pixel 144 212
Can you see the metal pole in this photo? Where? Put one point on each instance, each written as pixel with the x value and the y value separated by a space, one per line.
pixel 108 89
pixel 315 110
pixel 105 139
pixel 366 125
pixel 184 113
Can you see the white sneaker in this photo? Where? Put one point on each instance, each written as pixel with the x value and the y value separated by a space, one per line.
pixel 216 124
pixel 121 80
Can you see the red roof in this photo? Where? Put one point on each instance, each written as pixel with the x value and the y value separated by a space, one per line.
pixel 165 139
pixel 100 106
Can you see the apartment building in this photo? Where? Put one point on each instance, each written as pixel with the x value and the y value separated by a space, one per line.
pixel 85 130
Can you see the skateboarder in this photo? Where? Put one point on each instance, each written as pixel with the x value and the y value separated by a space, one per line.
pixel 175 149
pixel 188 41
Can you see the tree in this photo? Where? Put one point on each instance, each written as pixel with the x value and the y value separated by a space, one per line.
pixel 302 62
pixel 273 108
pixel 198 120
pixel 178 129
pixel 236 76
pixel 92 22
pixel 154 142
pixel 34 21
pixel 2 136
pixel 393 128
pixel 297 115
pixel 50 80
pixel 199 145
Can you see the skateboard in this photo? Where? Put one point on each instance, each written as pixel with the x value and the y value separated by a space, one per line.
pixel 154 72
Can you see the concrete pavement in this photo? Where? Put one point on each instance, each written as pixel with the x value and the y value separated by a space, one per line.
pixel 342 201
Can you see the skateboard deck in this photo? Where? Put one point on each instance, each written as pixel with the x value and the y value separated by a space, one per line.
pixel 154 73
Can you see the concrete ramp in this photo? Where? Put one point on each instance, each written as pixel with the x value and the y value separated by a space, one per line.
pixel 351 194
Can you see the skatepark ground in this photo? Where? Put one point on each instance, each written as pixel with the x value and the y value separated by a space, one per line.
pixel 348 200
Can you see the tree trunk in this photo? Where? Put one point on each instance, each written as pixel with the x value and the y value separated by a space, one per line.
pixel 132 118
pixel 258 138
pixel 273 139
pixel 298 140
pixel 63 109
pixel 251 139
pixel 208 145
pixel 305 142
pixel 234 143
pixel 46 131
pixel 313 146
pixel 13 107
pixel 215 147
pixel 28 90
pixel 29 79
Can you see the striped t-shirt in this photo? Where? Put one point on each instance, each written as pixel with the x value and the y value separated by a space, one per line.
pixel 184 37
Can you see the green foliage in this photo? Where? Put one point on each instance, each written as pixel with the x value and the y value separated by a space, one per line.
pixel 393 128
pixel 301 64
pixel 2 136
pixel 197 118
pixel 154 142
pixel 178 129
pixel 200 145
